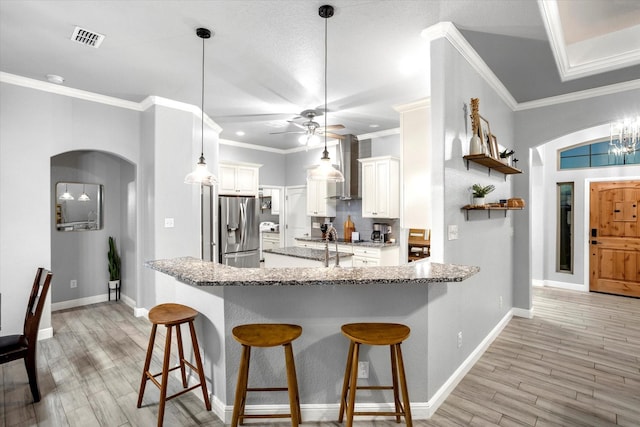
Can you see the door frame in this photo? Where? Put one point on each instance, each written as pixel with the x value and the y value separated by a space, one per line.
pixel 285 210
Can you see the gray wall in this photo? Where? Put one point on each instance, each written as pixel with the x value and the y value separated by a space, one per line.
pixel 471 307
pixel 537 126
pixel 37 125
pixel 81 255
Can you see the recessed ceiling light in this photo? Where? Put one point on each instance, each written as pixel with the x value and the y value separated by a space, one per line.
pixel 240 133
pixel 374 126
pixel 52 78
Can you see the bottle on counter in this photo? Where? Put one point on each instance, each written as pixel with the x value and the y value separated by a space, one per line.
pixel 349 227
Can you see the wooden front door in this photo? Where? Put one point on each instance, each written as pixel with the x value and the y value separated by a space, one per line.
pixel 615 238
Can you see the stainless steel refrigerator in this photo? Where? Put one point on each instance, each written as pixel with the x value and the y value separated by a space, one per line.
pixel 239 237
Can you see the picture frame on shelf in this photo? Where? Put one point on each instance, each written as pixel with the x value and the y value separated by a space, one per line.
pixel 495 149
pixel 485 134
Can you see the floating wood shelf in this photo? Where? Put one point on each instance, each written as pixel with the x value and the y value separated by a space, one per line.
pixel 491 163
pixel 489 208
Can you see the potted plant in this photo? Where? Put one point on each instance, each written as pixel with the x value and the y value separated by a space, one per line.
pixel 504 155
pixel 480 192
pixel 114 264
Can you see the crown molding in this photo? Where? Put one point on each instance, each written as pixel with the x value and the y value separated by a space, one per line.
pixel 574 61
pixel 421 103
pixel 378 134
pixel 67 91
pixel 449 31
pixel 147 103
pixel 580 95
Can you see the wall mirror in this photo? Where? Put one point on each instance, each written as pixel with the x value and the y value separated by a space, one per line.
pixel 78 206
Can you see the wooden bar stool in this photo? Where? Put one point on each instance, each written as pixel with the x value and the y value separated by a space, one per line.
pixel 266 335
pixel 172 315
pixel 391 334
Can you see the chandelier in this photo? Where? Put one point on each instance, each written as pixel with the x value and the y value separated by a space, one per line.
pixel 625 137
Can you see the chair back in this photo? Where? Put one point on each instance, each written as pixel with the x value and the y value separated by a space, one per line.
pixel 35 307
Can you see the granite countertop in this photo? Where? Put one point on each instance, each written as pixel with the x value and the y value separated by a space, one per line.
pixel 306 253
pixel 194 271
pixel 363 243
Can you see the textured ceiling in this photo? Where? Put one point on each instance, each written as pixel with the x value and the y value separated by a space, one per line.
pixel 264 64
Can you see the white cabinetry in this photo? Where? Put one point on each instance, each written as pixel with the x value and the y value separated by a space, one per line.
pixel 310 245
pixel 370 257
pixel 238 179
pixel 270 240
pixel 318 201
pixel 380 187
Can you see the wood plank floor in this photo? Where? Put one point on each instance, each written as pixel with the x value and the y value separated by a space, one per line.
pixel 576 363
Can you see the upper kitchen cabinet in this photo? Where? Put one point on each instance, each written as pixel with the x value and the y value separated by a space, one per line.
pixel 238 179
pixel 318 199
pixel 380 187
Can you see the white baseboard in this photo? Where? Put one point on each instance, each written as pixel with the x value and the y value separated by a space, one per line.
pixel 140 312
pixel 523 312
pixel 63 305
pixel 537 282
pixel 565 285
pixel 329 412
pixel 443 392
pixel 45 333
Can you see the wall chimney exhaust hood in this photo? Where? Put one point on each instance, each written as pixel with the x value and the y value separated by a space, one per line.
pixel 350 149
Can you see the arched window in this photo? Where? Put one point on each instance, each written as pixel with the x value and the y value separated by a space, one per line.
pixel 594 155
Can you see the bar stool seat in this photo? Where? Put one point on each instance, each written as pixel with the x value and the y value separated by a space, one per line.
pixel 172 315
pixel 266 335
pixel 391 334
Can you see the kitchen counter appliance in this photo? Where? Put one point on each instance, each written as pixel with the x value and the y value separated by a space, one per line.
pixel 238 234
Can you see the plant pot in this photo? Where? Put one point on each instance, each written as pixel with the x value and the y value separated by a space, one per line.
pixel 478 201
pixel 114 284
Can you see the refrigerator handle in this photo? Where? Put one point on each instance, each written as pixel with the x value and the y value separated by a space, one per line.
pixel 242 224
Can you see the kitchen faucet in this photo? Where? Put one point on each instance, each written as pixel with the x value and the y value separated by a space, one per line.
pixel 331 231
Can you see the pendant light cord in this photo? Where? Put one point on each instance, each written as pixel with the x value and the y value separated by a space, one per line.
pixel 202 108
pixel 326 23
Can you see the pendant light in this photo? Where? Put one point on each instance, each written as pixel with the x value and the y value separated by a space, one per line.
pixel 84 197
pixel 325 170
pixel 66 195
pixel 201 174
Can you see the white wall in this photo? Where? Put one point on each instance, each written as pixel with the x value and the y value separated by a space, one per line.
pixel 545 207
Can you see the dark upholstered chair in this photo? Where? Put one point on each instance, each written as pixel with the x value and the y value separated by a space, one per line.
pixel 14 347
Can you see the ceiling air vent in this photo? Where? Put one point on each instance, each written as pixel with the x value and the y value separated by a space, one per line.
pixel 87 38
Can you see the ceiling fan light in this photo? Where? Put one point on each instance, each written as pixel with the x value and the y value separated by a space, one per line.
pixel 303 139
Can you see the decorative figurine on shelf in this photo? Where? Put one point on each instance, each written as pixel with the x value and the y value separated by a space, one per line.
pixel 475 143
pixel 504 155
pixel 480 192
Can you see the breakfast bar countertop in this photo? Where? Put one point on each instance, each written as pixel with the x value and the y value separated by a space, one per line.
pixel 196 272
pixel 306 253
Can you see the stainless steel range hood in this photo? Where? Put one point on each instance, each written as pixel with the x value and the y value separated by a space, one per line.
pixel 349 151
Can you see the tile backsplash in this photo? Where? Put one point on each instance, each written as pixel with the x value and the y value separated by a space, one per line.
pixel 363 225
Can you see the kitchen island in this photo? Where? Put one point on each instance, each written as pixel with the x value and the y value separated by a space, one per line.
pixel 320 300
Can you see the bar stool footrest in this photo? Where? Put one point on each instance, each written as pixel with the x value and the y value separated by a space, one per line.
pixel 268 389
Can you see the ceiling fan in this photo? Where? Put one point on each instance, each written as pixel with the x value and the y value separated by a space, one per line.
pixel 311 129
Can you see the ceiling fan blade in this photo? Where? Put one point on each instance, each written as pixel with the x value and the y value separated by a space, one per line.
pixel 297 124
pixel 333 135
pixel 278 133
pixel 334 127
